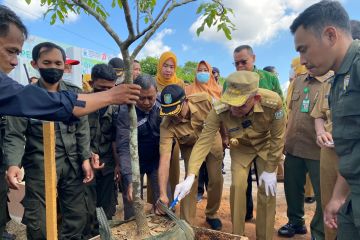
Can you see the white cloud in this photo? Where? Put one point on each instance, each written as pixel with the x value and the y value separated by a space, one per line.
pixel 156 46
pixel 257 22
pixel 34 10
pixel 184 47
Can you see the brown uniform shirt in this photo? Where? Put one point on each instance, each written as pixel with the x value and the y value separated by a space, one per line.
pixel 188 131
pixel 300 132
pixel 322 108
pixel 264 137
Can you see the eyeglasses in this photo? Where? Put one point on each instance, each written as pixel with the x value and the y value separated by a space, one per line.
pixel 240 62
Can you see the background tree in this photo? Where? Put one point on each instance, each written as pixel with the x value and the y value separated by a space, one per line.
pixel 149 65
pixel 153 14
pixel 187 72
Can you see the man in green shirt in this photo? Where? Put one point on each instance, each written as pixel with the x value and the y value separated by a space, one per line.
pixel 23 145
pixel 323 38
pixel 244 60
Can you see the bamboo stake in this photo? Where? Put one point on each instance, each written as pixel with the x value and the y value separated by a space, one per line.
pixel 50 179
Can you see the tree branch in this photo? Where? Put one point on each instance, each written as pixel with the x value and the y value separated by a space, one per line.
pixel 154 22
pixel 128 19
pixel 137 17
pixel 103 23
pixel 156 25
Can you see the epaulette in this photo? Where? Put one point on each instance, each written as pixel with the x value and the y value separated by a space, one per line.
pixel 220 107
pixel 269 98
pixel 199 97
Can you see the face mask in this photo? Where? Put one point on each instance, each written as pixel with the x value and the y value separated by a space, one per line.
pixel 203 77
pixel 51 75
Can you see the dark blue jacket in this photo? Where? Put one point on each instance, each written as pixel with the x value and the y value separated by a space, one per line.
pixel 148 140
pixel 34 102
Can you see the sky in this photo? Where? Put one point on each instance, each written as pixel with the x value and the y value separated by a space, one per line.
pixel 263 24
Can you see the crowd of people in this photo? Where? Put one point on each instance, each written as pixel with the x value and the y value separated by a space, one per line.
pixel 315 128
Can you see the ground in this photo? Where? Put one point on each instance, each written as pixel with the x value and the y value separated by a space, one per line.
pixel 224 211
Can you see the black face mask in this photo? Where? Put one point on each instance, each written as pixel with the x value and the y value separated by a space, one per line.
pixel 98 90
pixel 51 75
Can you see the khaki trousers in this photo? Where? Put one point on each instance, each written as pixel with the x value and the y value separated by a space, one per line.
pixel 265 214
pixel 328 175
pixel 309 190
pixel 214 192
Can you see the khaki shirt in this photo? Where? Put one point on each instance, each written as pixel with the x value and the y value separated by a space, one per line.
pixel 300 132
pixel 188 131
pixel 322 108
pixel 264 137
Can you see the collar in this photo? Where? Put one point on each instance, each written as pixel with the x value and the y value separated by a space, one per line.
pixel 320 79
pixel 62 85
pixel 192 108
pixel 349 57
pixel 258 107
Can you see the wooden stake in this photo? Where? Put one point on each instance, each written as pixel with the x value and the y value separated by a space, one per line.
pixel 50 179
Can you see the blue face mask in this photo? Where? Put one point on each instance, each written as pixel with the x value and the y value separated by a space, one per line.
pixel 203 77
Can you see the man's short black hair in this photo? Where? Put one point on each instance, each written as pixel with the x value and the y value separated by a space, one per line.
pixel 47 47
pixel 103 71
pixel 355 29
pixel 322 14
pixel 269 69
pixel 7 17
pixel 116 63
pixel 145 81
pixel 242 47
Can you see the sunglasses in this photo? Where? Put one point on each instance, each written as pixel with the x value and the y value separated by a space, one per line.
pixel 241 62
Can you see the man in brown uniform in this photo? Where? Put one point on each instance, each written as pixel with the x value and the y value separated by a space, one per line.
pixel 328 158
pixel 255 120
pixel 302 156
pixel 184 120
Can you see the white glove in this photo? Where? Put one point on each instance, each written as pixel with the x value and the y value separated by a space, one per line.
pixel 183 189
pixel 270 182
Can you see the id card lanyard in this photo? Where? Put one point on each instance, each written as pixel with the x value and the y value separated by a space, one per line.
pixel 305 105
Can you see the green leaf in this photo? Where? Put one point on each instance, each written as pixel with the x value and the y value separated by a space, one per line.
pixel 227 32
pixel 28 1
pixel 53 19
pixel 200 29
pixel 61 16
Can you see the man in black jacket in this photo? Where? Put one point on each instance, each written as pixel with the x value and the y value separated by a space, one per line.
pixel 148 117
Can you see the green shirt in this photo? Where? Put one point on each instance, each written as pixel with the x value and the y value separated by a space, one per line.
pixel 102 134
pixel 267 81
pixel 344 96
pixel 344 99
pixel 23 141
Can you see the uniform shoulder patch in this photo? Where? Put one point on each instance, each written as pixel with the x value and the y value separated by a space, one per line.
pixel 269 98
pixel 220 107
